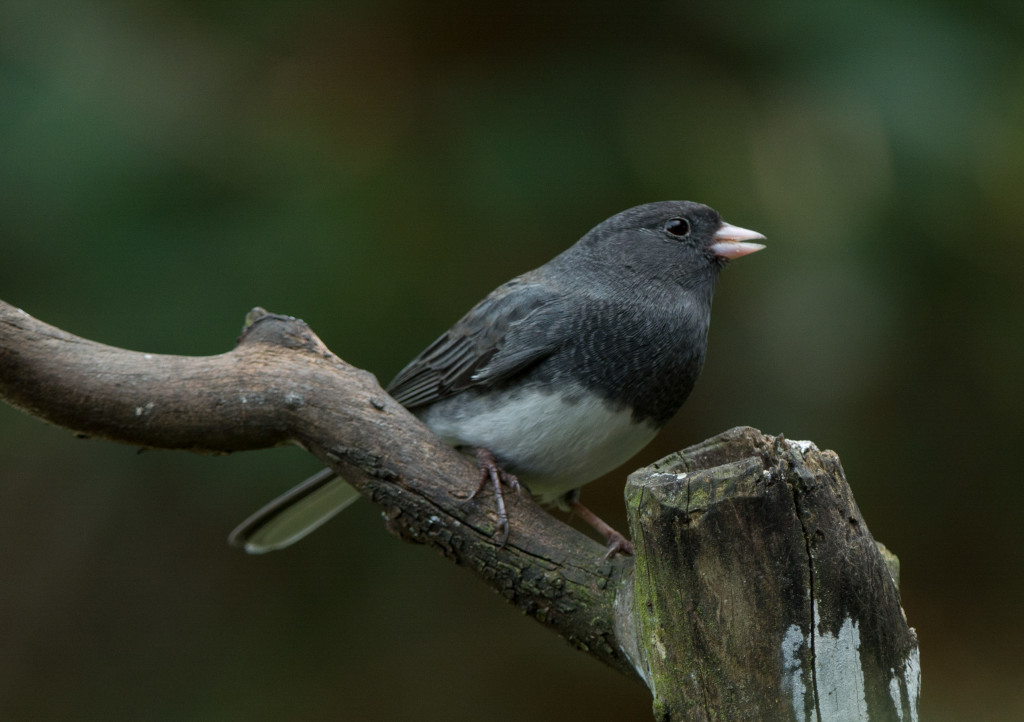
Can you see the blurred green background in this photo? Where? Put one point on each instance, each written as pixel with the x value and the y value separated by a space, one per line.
pixel 375 168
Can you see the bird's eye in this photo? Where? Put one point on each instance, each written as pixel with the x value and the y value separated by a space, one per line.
pixel 678 227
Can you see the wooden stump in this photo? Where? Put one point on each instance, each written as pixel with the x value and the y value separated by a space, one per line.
pixel 759 592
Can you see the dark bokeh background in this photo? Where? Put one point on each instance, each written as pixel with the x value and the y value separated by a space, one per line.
pixel 375 168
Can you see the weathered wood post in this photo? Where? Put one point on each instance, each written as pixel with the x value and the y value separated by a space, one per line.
pixel 759 592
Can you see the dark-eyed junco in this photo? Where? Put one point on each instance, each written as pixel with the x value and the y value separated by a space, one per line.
pixel 561 374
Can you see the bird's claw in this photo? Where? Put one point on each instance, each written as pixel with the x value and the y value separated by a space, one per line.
pixel 618 544
pixel 491 472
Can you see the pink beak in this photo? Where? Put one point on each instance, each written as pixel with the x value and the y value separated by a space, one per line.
pixel 730 241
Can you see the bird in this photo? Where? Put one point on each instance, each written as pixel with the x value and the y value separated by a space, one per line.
pixel 561 374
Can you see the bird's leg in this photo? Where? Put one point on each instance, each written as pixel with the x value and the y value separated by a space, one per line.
pixel 491 472
pixel 617 544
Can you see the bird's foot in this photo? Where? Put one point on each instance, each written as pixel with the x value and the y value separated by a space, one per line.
pixel 616 542
pixel 492 473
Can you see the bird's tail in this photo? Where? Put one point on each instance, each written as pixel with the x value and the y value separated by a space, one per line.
pixel 295 514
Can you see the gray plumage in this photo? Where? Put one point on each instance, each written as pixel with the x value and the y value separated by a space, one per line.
pixel 566 371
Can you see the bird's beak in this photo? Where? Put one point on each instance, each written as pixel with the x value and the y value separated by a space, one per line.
pixel 731 241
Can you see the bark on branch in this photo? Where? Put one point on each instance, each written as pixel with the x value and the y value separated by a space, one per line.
pixel 281 385
pixel 757 590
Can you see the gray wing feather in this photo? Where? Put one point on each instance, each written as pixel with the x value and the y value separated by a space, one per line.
pixel 476 350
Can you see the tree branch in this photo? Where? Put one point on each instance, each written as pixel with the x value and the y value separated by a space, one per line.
pixel 281 385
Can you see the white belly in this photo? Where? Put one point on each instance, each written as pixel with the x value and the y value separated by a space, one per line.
pixel 552 445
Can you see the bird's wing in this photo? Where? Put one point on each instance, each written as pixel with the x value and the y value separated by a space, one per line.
pixel 504 334
pixel 512 329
